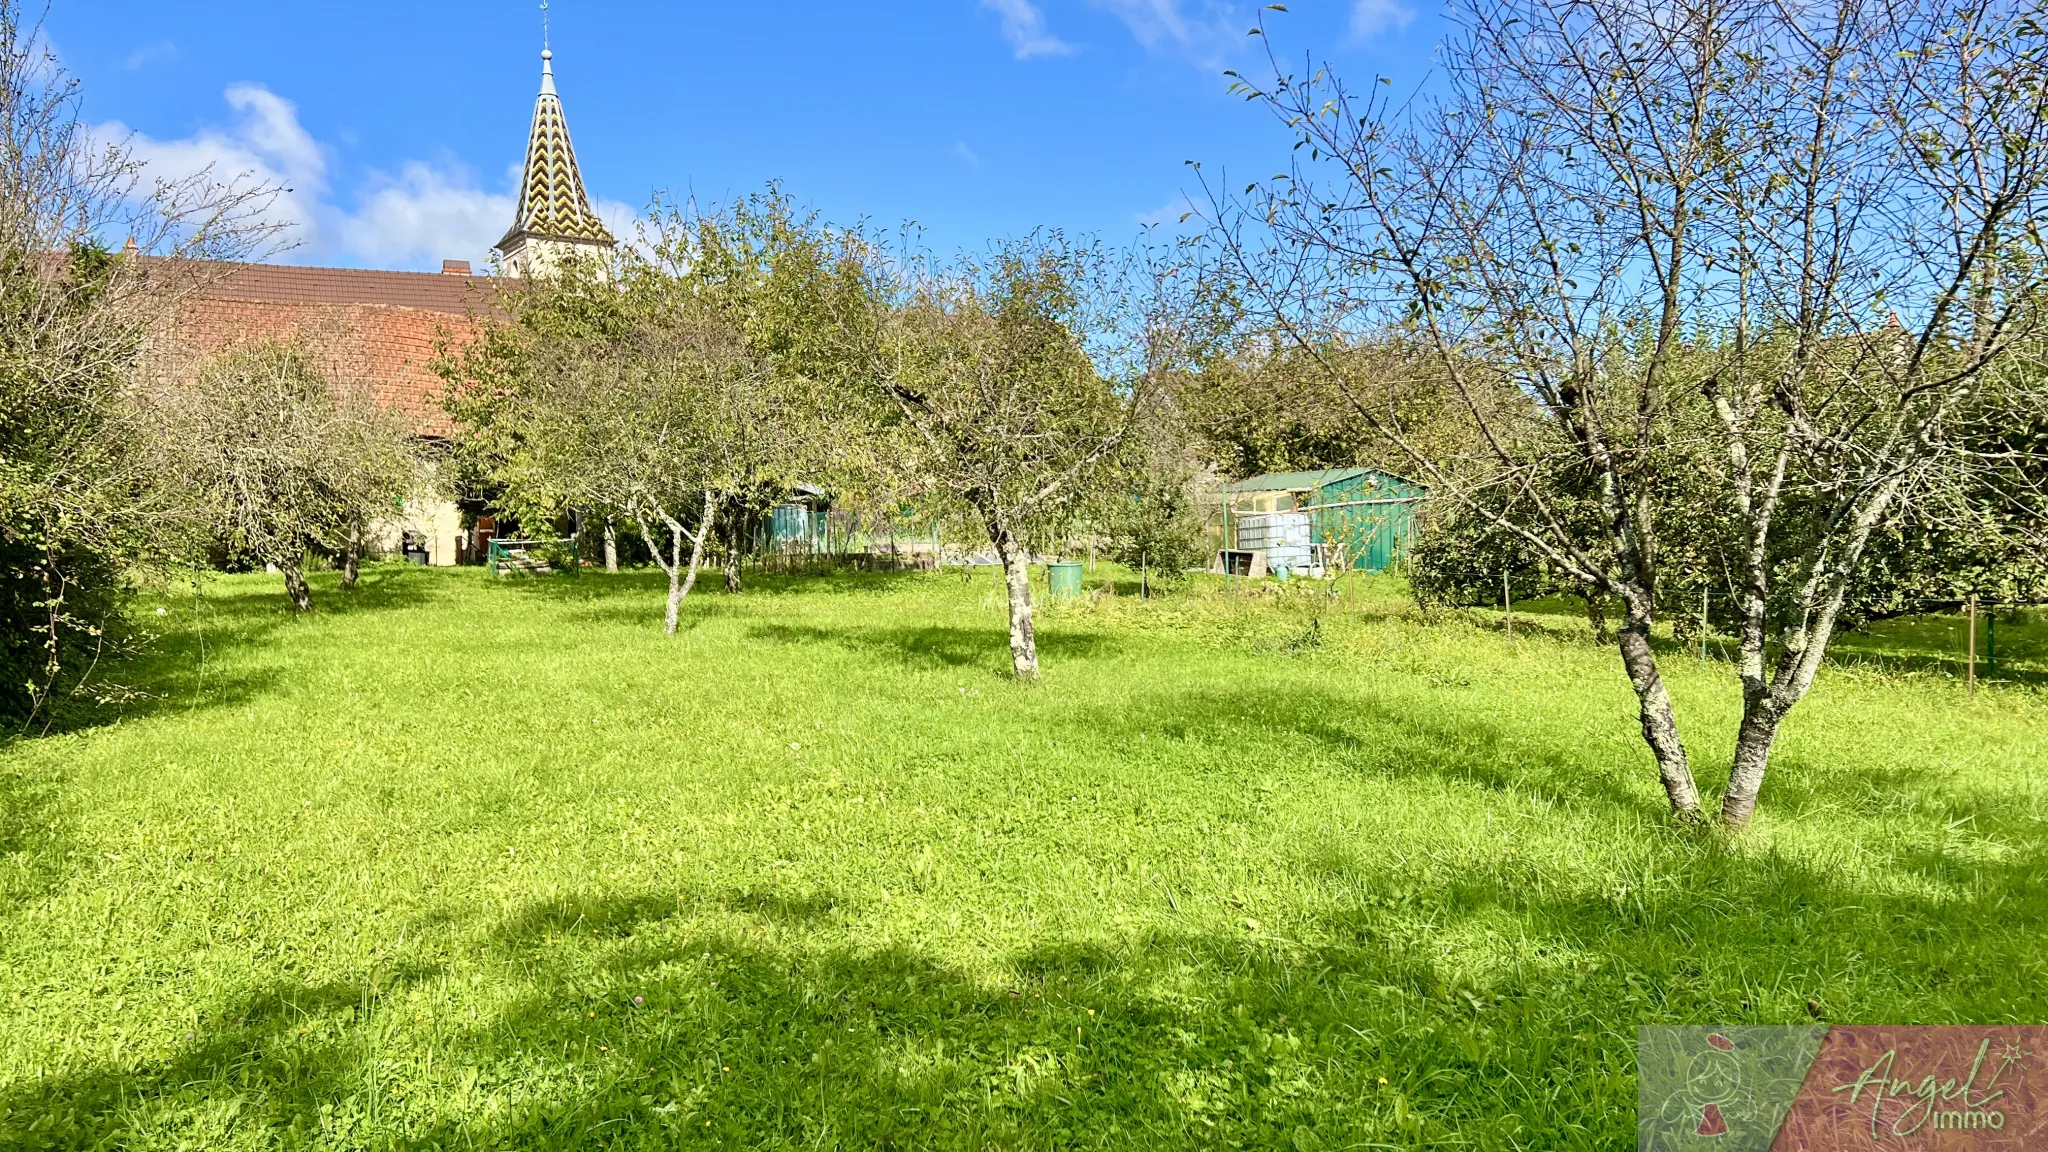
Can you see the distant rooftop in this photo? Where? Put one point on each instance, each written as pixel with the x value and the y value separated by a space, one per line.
pixel 1307 481
pixel 447 291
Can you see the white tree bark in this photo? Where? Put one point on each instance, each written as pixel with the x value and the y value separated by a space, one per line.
pixel 681 577
pixel 1017 574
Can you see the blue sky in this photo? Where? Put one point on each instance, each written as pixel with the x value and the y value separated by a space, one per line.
pixel 399 128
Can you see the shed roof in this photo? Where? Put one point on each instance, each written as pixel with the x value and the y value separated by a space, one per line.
pixel 1307 481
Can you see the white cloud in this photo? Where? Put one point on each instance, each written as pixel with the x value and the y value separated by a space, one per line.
pixel 1170 214
pixel 265 147
pixel 965 154
pixel 1209 32
pixel 270 125
pixel 423 214
pixel 416 218
pixel 1151 21
pixel 1212 31
pixel 1369 18
pixel 1024 27
pixel 150 54
pixel 622 218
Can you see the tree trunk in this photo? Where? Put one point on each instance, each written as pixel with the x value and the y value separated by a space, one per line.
pixel 1660 723
pixel 611 547
pixel 295 585
pixel 732 562
pixel 351 557
pixel 677 591
pixel 676 588
pixel 1766 702
pixel 1771 689
pixel 1753 740
pixel 680 578
pixel 1017 571
pixel 697 547
pixel 1596 615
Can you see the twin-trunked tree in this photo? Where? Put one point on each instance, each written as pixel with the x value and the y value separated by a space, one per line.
pixel 1778 257
pixel 684 382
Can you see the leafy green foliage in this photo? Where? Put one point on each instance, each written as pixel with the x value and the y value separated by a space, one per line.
pixel 1151 522
pixel 63 483
pixel 81 516
pixel 1262 405
pixel 991 391
pixel 681 391
pixel 1461 559
pixel 280 451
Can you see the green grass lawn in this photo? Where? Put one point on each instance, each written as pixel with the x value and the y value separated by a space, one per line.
pixel 475 864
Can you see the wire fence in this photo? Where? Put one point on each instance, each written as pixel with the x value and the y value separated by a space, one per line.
pixel 1979 613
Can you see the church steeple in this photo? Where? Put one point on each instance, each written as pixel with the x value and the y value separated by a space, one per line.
pixel 554 221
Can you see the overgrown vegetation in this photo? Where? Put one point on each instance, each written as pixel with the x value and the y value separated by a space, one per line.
pixel 674 391
pixel 1010 387
pixel 81 515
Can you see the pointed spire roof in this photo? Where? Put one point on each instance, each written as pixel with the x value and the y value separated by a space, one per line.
pixel 552 202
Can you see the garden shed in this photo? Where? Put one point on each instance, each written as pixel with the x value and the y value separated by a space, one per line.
pixel 1362 518
pixel 797 523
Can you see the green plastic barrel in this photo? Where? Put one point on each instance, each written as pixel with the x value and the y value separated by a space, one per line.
pixel 1063 580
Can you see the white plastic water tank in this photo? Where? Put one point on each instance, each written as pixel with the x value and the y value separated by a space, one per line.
pixel 1283 536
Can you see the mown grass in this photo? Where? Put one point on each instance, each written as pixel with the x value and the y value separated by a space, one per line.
pixel 456 863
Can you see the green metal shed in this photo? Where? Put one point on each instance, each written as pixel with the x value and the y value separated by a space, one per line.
pixel 1369 512
pixel 798 521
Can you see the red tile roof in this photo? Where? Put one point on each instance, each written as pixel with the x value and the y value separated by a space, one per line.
pixel 390 325
pixel 287 284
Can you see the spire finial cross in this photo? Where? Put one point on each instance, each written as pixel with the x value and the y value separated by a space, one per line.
pixel 544 25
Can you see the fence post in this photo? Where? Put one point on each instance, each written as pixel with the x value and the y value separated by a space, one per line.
pixel 1973 644
pixel 1703 625
pixel 1507 607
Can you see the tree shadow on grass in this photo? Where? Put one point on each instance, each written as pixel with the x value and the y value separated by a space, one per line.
pixel 621 916
pixel 635 597
pixel 1380 736
pixel 178 671
pixel 638 1027
pixel 1497 995
pixel 255 597
pixel 598 585
pixel 847 582
pixel 937 645
pixel 37 841
pixel 746 1019
pixel 1393 737
pixel 631 598
pixel 195 664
